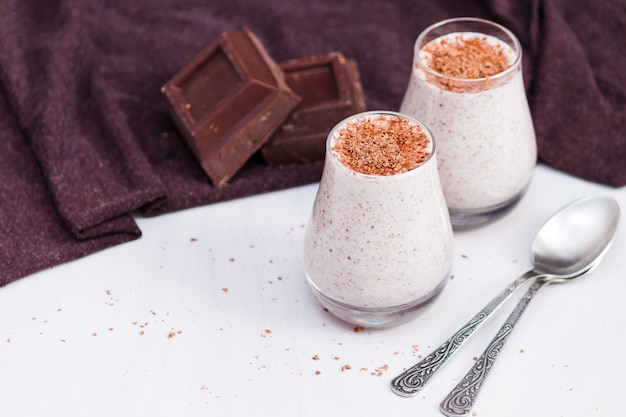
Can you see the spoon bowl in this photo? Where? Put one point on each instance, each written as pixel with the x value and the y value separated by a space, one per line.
pixel 569 244
pixel 574 240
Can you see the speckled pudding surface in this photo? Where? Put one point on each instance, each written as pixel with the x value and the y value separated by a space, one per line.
pixel 485 136
pixel 378 241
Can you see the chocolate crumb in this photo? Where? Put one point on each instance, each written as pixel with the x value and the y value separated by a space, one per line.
pixel 379 371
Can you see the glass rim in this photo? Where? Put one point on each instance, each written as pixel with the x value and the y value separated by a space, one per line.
pixel 368 114
pixel 516 46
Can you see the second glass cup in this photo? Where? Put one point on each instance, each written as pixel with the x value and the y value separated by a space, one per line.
pixel 378 247
pixel 467 87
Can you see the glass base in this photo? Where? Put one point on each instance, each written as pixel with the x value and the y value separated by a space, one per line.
pixel 463 219
pixel 378 317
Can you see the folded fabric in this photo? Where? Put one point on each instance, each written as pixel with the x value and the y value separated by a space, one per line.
pixel 87 142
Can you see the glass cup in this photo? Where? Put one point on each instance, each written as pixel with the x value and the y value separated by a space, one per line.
pixel 377 248
pixel 487 149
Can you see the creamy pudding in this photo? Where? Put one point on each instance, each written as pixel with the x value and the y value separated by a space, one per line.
pixel 485 135
pixel 379 241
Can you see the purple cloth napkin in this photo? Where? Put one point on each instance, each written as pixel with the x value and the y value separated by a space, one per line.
pixel 86 142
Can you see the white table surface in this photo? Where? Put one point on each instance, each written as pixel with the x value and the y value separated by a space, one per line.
pixel 209 314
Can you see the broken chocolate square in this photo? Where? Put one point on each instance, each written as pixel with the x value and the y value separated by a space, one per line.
pixel 228 101
pixel 330 88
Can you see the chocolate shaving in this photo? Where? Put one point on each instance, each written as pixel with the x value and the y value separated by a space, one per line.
pixel 381 145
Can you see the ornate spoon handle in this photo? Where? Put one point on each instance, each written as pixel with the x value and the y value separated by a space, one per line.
pixel 461 399
pixel 409 382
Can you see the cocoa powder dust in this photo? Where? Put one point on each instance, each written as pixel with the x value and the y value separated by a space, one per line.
pixel 381 145
pixel 461 58
pixel 467 58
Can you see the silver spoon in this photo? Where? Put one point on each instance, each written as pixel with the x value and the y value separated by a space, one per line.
pixel 593 219
pixel 567 245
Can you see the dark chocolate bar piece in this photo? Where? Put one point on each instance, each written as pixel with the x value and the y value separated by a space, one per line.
pixel 227 102
pixel 330 88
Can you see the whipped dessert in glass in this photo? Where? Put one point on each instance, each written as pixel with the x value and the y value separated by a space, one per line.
pixel 467 87
pixel 378 246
